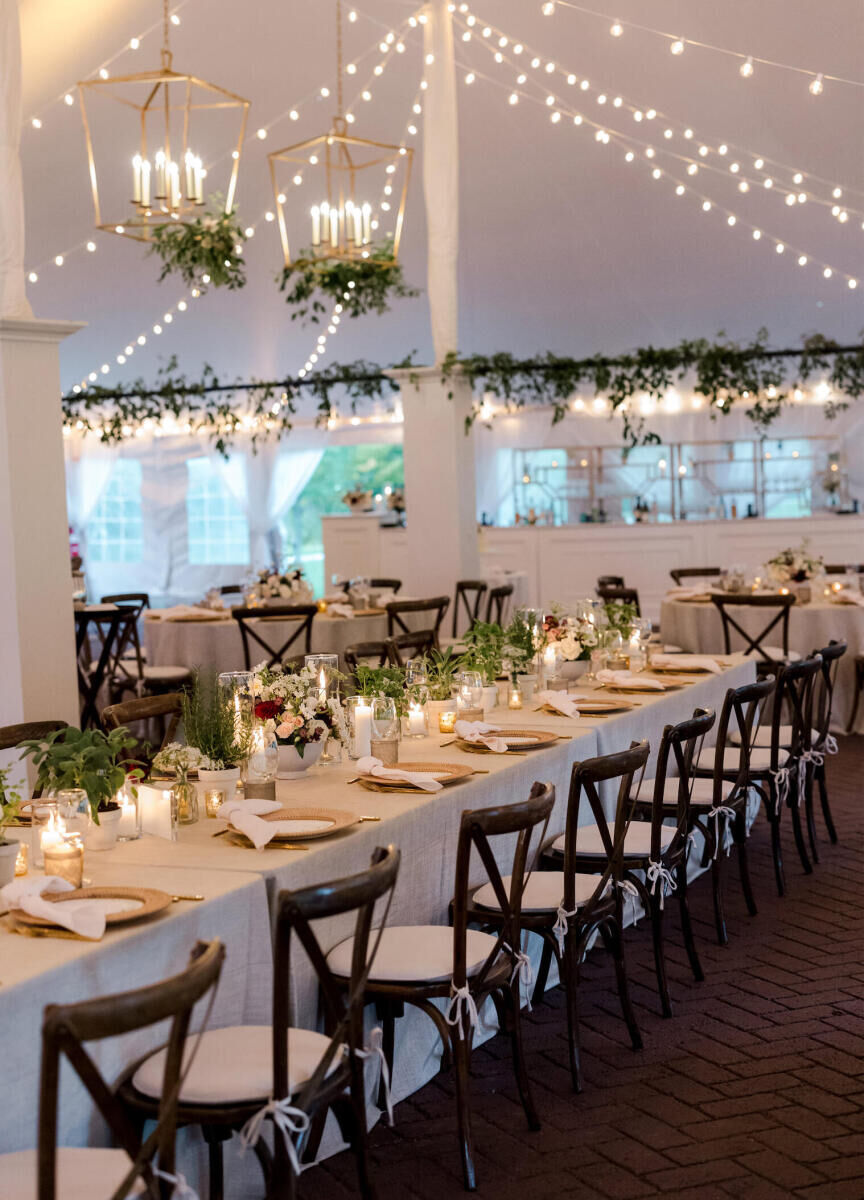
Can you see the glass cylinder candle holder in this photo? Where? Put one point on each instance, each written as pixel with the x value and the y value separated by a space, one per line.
pixel 514 697
pixel 385 721
pixel 129 827
pixel 326 668
pixel 236 687
pixel 386 749
pixel 415 673
pixel 186 800
pixel 447 721
pixel 469 696
pixel 44 817
pixel 65 858
pixel 74 809
pixel 358 716
pixel 262 764
pixel 599 660
pixel 551 662
pixel 415 722
pixel 527 685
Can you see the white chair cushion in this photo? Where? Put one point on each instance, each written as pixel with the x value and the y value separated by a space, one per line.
pixel 701 795
pixel 414 952
pixel 544 891
pixel 167 672
pixel 82 1174
pixel 760 758
pixel 235 1064
pixel 763 735
pixel 637 842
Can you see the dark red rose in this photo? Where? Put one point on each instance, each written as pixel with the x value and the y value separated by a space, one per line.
pixel 267 710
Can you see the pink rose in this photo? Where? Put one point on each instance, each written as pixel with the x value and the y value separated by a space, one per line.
pixel 284 730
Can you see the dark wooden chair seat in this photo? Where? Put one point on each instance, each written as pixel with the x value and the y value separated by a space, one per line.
pixel 405 646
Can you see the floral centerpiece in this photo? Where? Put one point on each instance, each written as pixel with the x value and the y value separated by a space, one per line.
pixel 298 713
pixel 10 804
pixel 289 586
pixel 396 500
pixel 794 565
pixel 359 500
pixel 573 637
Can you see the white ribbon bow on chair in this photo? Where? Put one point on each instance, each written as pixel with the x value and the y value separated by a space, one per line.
pixel 658 872
pixel 286 1117
pixel 182 1189
pixel 729 814
pixel 830 745
pixel 782 777
pixel 462 1002
pixel 561 925
pixel 630 890
pixel 375 1049
pixel 521 967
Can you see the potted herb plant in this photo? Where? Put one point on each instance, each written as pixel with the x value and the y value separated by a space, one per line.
pixel 382 681
pixel 211 727
pixel 85 769
pixel 10 804
pixel 520 649
pixel 298 714
pixel 485 653
pixel 441 668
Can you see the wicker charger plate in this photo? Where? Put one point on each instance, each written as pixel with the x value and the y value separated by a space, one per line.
pixel 599 708
pixel 444 773
pixel 336 819
pixel 518 740
pixel 149 902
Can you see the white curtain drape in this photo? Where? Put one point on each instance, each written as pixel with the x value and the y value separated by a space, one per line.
pixel 13 295
pixel 87 476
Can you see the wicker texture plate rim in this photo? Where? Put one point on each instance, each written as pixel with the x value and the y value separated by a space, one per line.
pixel 543 736
pixel 456 772
pixel 340 818
pixel 602 707
pixel 153 901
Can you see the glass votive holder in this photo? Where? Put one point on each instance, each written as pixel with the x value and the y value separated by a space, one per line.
pixel 214 798
pixel 385 749
pixel 447 721
pixel 65 859
pixel 514 697
pixel 129 826
pixel 415 722
pixel 385 722
pixel 43 816
pixel 21 859
pixel 358 716
pixel 638 659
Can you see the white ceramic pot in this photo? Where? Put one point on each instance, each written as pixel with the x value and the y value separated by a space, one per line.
pixel 575 670
pixel 490 697
pixel 434 708
pixel 225 780
pixel 104 835
pixel 292 766
pixel 8 854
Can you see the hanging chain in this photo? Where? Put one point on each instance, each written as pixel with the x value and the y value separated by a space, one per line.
pixel 338 56
pixel 166 36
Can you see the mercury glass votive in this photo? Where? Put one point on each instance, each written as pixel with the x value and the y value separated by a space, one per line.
pixel 65 859
pixel 446 721
pixel 214 798
pixel 21 859
pixel 514 697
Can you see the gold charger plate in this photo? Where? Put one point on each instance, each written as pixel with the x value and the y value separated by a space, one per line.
pixel 444 773
pixel 637 691
pixel 600 708
pixel 518 740
pixel 337 819
pixel 151 901
pixel 680 671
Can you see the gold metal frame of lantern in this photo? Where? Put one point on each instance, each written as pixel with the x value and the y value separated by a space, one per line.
pixel 341 222
pixel 168 189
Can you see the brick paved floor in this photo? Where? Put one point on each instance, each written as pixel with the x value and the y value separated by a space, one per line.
pixel 755 1088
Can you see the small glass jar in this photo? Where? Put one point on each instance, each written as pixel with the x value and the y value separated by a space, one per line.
pixel 447 721
pixel 74 809
pixel 262 764
pixel 514 697
pixel 214 798
pixel 21 859
pixel 358 717
pixel 44 815
pixel 65 858
pixel 415 722
pixel 599 659
pixel 469 696
pixel 186 801
pixel 129 826
pixel 386 750
pixel 527 684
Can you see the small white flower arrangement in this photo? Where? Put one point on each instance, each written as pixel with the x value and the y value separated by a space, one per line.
pixel 794 565
pixel 574 637
pixel 289 586
pixel 293 709
pixel 177 759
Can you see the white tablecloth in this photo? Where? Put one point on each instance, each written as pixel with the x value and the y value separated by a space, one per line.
pixel 696 626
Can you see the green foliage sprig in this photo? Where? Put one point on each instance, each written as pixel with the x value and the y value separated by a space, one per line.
pixel 382 681
pixel 365 286
pixel 211 245
pixel 10 802
pixel 621 614
pixel 210 726
pixel 89 759
pixel 485 650
pixel 519 646
pixel 441 668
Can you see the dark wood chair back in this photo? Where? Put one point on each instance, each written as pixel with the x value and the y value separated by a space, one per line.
pixel 165 709
pixel 397 609
pixel 65 1030
pixel 776 609
pixel 228 589
pixel 841 568
pixel 141 598
pixel 740 714
pixel 409 645
pixel 111 632
pixel 823 691
pixel 615 581
pixel 475 830
pixel 127 667
pixel 363 652
pixel 680 747
pixel 12 736
pixel 621 595
pixel 497 603
pixel 390 585
pixel 466 602
pixel 794 705
pixel 253 625
pixel 680 573
pixel 296 912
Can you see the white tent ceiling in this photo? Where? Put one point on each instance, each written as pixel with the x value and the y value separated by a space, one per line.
pixel 563 245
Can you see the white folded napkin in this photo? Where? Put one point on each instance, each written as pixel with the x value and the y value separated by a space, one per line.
pixel 340 610
pixel 383 598
pixel 628 680
pixel 847 596
pixel 246 815
pixel 186 612
pixel 687 662
pixel 478 732
pixel 84 917
pixel 560 701
pixel 373 766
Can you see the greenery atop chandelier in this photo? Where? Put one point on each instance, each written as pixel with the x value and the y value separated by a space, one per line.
pixel 315 285
pixel 205 251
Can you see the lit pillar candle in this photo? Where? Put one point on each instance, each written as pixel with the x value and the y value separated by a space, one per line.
pixel 145 183
pixel 416 720
pixel 316 225
pixel 322 686
pixel 190 175
pixel 358 225
pixel 349 221
pixel 550 660
pixel 199 181
pixel 325 222
pixel 127 826
pixel 160 175
pixel 367 223
pixel 334 227
pixel 362 730
pixel 136 179
pixel 174 185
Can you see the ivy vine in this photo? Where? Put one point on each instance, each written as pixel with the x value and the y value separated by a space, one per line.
pixel 364 286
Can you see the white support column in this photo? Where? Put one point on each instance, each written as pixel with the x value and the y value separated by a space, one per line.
pixel 439 481
pixel 37 638
pixel 441 178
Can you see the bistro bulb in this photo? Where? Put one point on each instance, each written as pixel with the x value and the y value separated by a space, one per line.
pixel 677 47
pixel 746 68
pixel 816 86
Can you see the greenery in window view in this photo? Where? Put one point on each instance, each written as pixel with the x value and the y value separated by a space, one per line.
pixel 371 467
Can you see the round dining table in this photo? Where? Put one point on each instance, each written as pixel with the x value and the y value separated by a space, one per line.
pixel 696 626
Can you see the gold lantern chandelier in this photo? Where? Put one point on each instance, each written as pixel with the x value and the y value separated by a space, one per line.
pixel 345 215
pixel 164 179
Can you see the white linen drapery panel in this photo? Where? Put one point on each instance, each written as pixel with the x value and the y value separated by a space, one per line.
pixel 87 476
pixel 13 295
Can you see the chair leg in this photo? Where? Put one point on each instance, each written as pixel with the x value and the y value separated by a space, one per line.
pixel 613 937
pixel 388 1040
pixel 819 776
pixel 461 1045
pixel 214 1137
pixel 540 982
pixel 718 890
pixel 810 818
pixel 798 834
pixel 568 965
pixel 512 1007
pixel 350 1112
pixel 773 813
pixel 740 835
pixel 859 684
pixel 656 909
pixel 687 923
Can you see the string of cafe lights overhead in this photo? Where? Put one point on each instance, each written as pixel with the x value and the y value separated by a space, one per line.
pixel 727 151
pixel 605 136
pixel 393 38
pixel 677 44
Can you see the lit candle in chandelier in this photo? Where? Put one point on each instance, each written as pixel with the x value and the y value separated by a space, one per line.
pixel 325 221
pixel 367 224
pixel 199 181
pixel 190 175
pixel 349 221
pixel 334 227
pixel 316 225
pixel 136 179
pixel 145 183
pixel 160 175
pixel 174 185
pixel 358 225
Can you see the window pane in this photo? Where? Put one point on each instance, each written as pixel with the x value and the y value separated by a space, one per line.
pixel 217 529
pixel 114 531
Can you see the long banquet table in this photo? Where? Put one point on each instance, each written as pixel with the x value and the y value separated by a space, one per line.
pixel 695 625
pixel 238 882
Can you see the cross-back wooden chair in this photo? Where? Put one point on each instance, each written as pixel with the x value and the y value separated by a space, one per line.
pixel 613 581
pixel 776 608
pixel 246 1075
pixel 109 631
pixel 680 573
pixel 841 568
pixel 229 589
pixel 373 653
pixel 253 622
pixel 388 585
pixel 417 964
pixel 466 602
pixel 136 1163
pixel 823 741
pixel 498 602
pixel 405 646
pixel 621 595
pixel 13 736
pixel 160 713
pixel 398 609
